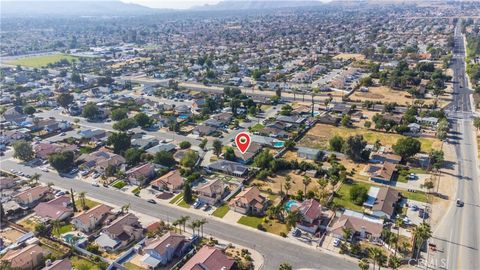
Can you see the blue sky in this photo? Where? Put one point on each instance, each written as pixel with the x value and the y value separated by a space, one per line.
pixel 176 4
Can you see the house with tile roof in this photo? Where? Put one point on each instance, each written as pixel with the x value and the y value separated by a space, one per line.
pixel 249 202
pixel 120 233
pixel 140 174
pixel 63 264
pixel 314 216
pixel 381 201
pixel 209 258
pixel 362 226
pixel 29 257
pixel 56 209
pixel 32 196
pixel 382 173
pixel 211 192
pixel 171 181
pixel 161 251
pixel 88 220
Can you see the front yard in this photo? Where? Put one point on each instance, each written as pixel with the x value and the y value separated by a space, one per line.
pixel 221 211
pixel 271 226
pixel 342 197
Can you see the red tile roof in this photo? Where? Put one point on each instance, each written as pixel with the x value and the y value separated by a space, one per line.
pixel 209 258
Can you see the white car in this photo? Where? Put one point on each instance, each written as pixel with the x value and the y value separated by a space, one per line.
pixel 336 242
pixel 44 169
pixel 95 184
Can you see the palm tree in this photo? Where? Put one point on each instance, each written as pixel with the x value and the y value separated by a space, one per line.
pixel 202 222
pixel 374 254
pixel 285 266
pixel 363 264
pixel 183 221
pixel 292 218
pixel 398 223
pixel 347 233
pixel 421 233
pixel 72 196
pixel 56 226
pixel 306 181
pixel 394 262
pixel 193 226
pixel 288 184
pixel 35 177
pixel 81 197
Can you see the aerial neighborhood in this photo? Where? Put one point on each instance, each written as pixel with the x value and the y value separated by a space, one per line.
pixel 118 141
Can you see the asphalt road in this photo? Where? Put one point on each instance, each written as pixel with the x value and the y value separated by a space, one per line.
pixel 275 250
pixel 457 236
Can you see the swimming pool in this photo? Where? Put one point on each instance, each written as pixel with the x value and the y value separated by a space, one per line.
pixel 278 144
pixel 291 203
pixel 183 116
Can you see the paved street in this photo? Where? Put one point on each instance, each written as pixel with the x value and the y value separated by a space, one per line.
pixel 274 249
pixel 457 236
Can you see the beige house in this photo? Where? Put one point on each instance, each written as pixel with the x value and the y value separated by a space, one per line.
pixel 249 202
pixel 27 258
pixel 88 220
pixel 211 192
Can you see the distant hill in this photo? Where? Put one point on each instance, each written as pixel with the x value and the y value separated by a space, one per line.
pixel 71 8
pixel 258 4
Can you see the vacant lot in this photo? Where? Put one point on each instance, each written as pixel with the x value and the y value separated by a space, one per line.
pixel 277 183
pixel 346 56
pixel 41 60
pixel 320 134
pixel 342 197
pixel 386 94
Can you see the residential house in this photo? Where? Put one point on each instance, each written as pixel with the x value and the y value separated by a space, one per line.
pixel 13 115
pixel 11 136
pixel 380 172
pixel 168 147
pixel 120 233
pixel 32 196
pixel 161 251
pixel 309 153
pixel 171 181
pixel 204 130
pixel 55 209
pixel 7 182
pixel 340 108
pixel 273 132
pixel 248 156
pixel 381 201
pixel 428 121
pixel 63 264
pixel 88 220
pixel 138 175
pixel 329 119
pixel 228 167
pixel 362 226
pixel 144 143
pixel 414 127
pixel 211 192
pixel 293 119
pixel 29 257
pixel 314 216
pixel 100 160
pixel 96 134
pixel 43 150
pixel 249 202
pixel 209 258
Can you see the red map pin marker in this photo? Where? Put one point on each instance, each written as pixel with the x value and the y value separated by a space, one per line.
pixel 242 140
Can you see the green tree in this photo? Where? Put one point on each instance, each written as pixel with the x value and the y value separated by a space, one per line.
pixel 185 144
pixel 421 233
pixel 187 193
pixel 62 162
pixel 476 122
pixel 91 111
pixel 394 262
pixel 263 159
pixel 346 120
pixel 285 266
pixel 407 147
pixel 354 147
pixel 189 159
pixel 203 144
pixel 65 99
pixel 29 110
pixel 358 194
pixel 229 154
pixel 23 150
pixel 306 181
pixel 125 124
pixel 292 218
pixel 119 114
pixel 164 158
pixel 143 120
pixel 336 143
pixel 217 147
pixel 120 141
pixel 133 156
pixel 363 264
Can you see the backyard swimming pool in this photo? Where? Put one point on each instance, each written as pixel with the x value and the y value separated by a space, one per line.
pixel 290 204
pixel 278 144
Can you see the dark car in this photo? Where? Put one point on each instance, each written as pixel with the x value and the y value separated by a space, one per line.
pixel 152 201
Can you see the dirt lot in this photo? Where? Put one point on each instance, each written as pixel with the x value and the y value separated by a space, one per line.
pixel 385 94
pixel 277 183
pixel 346 56
pixel 10 235
pixel 320 134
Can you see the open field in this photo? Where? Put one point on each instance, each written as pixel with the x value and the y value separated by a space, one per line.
pixel 386 94
pixel 346 56
pixel 42 60
pixel 320 134
pixel 275 184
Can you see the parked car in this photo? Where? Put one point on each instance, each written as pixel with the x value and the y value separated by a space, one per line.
pixel 95 184
pixel 336 242
pixel 83 173
pixel 96 175
pixel 152 201
pixel 459 203
pixel 414 207
pixel 197 204
pixel 297 233
pixel 412 176
pixel 206 207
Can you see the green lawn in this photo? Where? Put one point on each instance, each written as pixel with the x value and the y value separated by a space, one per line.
pixel 184 204
pixel 176 198
pixel 131 266
pixel 136 190
pixel 403 175
pixel 90 204
pixel 250 221
pixel 42 60
pixel 256 127
pixel 79 263
pixel 343 196
pixel 221 211
pixel 275 227
pixel 119 184
pixel 416 196
pixel 64 229
pixel 86 150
